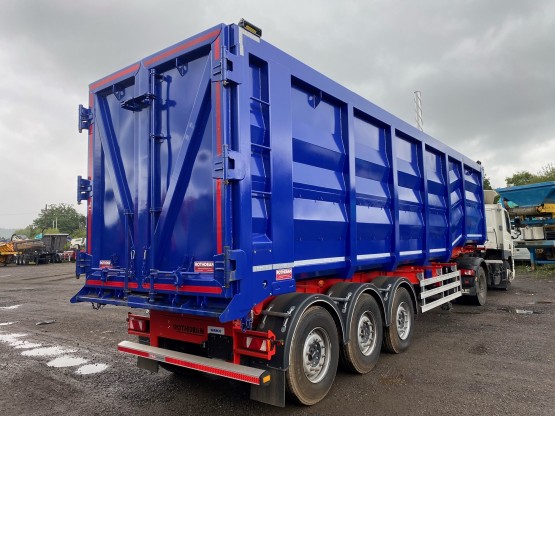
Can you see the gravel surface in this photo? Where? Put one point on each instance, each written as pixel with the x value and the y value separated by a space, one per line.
pixel 57 358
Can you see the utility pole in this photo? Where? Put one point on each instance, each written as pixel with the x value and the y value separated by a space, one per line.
pixel 418 109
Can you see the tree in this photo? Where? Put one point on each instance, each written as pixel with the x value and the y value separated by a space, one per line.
pixel 28 231
pixel 487 183
pixel 547 173
pixel 63 217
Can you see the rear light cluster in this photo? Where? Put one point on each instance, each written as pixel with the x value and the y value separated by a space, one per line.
pixel 255 344
pixel 468 272
pixel 138 325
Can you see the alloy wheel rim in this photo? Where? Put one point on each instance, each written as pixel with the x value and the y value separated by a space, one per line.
pixel 403 320
pixel 316 355
pixel 366 335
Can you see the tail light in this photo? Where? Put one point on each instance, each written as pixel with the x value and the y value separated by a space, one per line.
pixel 138 325
pixel 467 272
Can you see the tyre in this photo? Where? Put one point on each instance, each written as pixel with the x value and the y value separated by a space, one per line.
pixel 508 273
pixel 398 335
pixel 361 354
pixel 481 284
pixel 313 356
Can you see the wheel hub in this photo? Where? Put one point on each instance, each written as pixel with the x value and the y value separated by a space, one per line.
pixel 366 334
pixel 315 355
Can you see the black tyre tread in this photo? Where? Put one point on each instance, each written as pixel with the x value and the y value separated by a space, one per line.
pixel 392 343
pixel 351 357
pixel 480 279
pixel 299 387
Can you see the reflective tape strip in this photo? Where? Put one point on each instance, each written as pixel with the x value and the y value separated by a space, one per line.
pixel 319 261
pixel 268 267
pixel 297 263
pixel 373 256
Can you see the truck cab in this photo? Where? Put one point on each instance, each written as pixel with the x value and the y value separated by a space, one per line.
pixel 491 265
pixel 499 247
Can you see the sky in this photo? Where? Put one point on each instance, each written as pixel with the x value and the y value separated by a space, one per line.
pixel 485 69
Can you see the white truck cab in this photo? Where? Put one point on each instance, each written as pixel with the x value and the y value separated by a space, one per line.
pixel 490 265
pixel 499 247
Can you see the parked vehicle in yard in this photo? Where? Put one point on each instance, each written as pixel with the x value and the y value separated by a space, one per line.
pixel 78 243
pixel 491 264
pixel 7 254
pixel 532 208
pixel 48 249
pixel 273 224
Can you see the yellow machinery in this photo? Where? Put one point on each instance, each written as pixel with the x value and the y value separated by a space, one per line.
pixel 7 253
pixel 532 209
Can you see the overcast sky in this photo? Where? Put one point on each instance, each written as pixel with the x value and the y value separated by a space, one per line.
pixel 485 69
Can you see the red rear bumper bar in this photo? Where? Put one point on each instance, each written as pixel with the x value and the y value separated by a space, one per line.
pixel 208 365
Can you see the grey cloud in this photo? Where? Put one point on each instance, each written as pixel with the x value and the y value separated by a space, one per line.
pixel 484 69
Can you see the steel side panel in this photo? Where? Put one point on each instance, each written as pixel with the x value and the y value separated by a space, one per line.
pixel 415 198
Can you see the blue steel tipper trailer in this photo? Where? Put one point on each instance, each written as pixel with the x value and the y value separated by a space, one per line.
pixel 271 221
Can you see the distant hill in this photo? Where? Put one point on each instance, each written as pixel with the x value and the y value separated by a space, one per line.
pixel 6 233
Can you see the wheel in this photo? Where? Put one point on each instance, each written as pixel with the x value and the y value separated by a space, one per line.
pixel 508 271
pixel 481 284
pixel 365 336
pixel 398 335
pixel 313 356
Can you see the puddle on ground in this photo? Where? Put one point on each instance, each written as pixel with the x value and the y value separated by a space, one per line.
pixel 26 345
pixel 6 323
pixel 91 368
pixel 518 310
pixel 12 338
pixel 47 351
pixel 18 344
pixel 65 362
pixel 10 307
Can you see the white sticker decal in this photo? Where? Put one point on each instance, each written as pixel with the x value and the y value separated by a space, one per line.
pixel 204 267
pixel 285 273
pixel 213 329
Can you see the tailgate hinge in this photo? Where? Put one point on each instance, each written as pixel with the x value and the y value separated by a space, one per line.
pixel 84 189
pixel 85 118
pixel 228 69
pixel 82 262
pixel 230 166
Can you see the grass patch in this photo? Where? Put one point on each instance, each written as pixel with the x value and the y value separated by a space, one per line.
pixel 541 271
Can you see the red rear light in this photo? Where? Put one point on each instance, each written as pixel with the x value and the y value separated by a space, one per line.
pixel 467 272
pixel 138 325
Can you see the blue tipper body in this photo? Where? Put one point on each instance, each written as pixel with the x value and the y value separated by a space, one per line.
pixel 222 171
